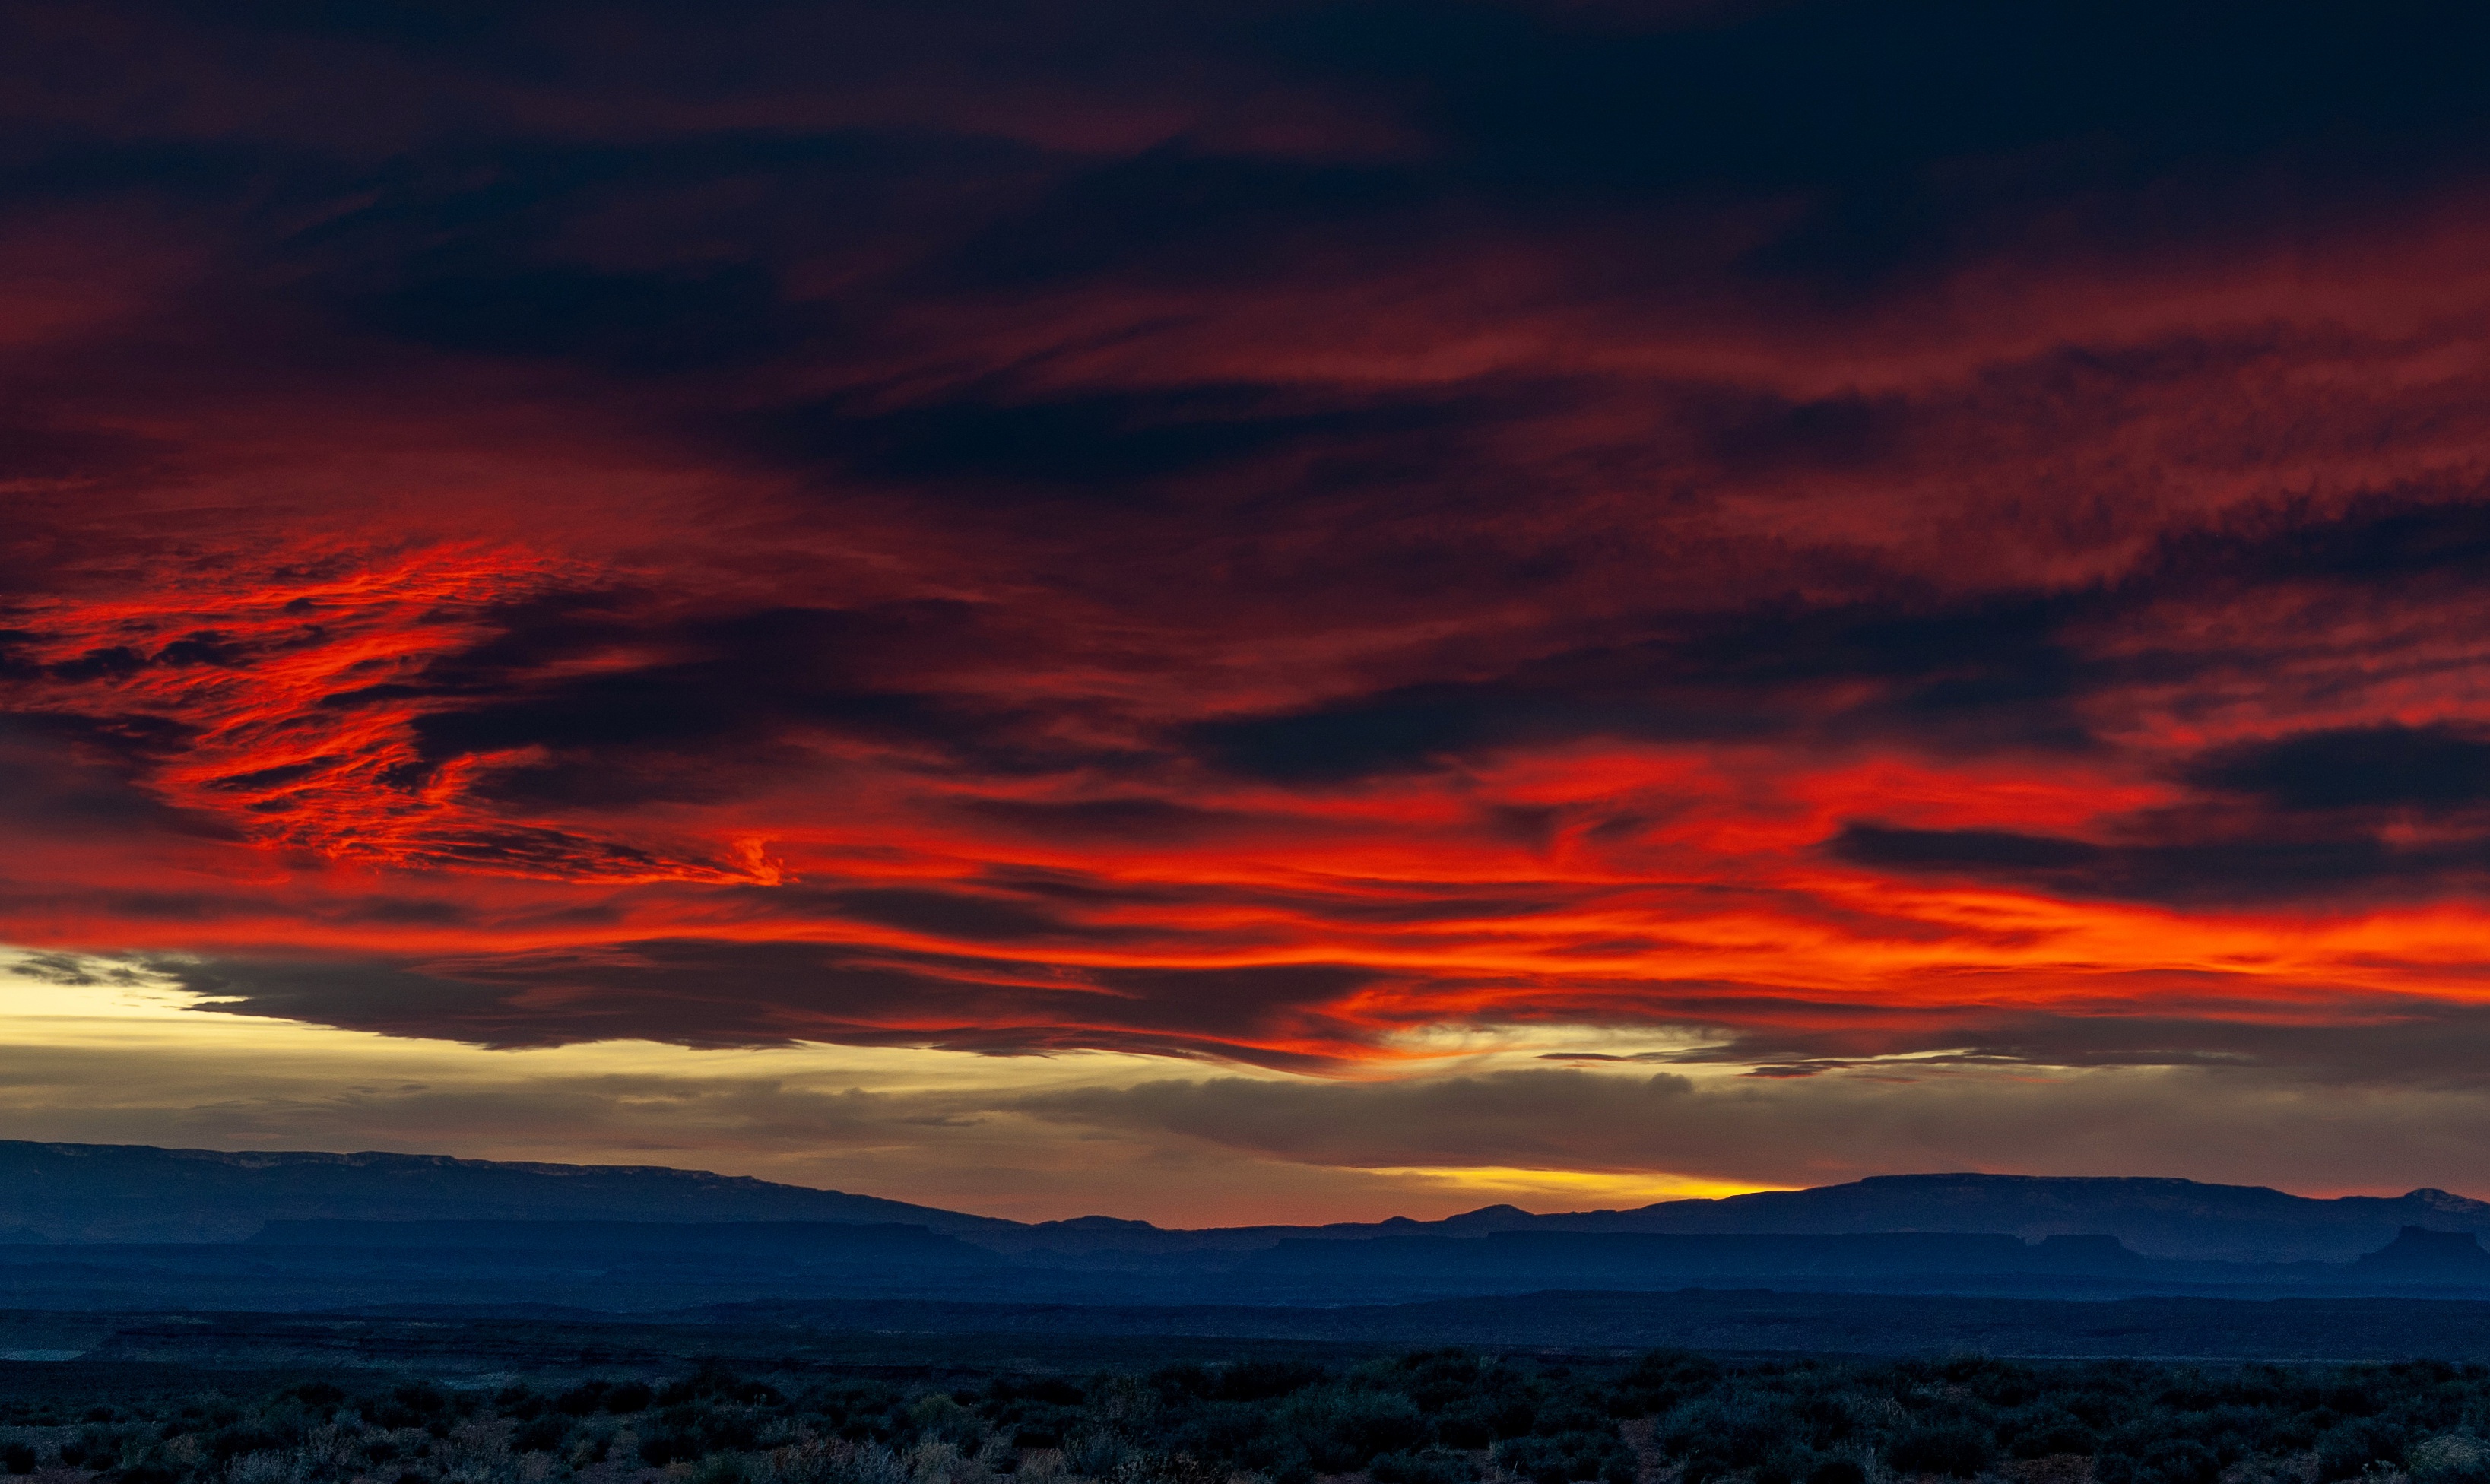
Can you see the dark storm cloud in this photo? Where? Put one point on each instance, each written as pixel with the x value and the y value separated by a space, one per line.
pixel 1120 495
pixel 1798 94
pixel 1989 671
pixel 720 993
pixel 1805 1131
pixel 1410 727
pixel 1128 818
pixel 1600 1114
pixel 1523 103
pixel 1098 445
pixel 1349 900
pixel 746 683
pixel 118 659
pixel 2427 768
pixel 968 918
pixel 51 165
pixel 36 452
pixel 360 996
pixel 2381 1043
pixel 71 773
pixel 1242 1001
pixel 2307 816
pixel 1756 433
pixel 673 320
pixel 1179 213
pixel 2381 540
pixel 2006 670
pixel 618 256
pixel 2211 872
pixel 475 241
pixel 1512 1118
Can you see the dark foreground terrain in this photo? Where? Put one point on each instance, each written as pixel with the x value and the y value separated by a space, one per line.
pixel 451 1339
pixel 970 1412
pixel 193 1272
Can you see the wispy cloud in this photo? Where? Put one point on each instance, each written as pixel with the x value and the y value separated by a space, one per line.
pixel 1285 536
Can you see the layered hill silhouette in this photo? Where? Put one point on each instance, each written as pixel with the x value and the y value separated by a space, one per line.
pixel 122 1228
pixel 2420 1255
pixel 125 1193
pixel 2176 1219
pixel 84 1193
pixel 833 1244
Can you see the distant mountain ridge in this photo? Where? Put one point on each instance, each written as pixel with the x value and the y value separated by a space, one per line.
pixel 140 1193
pixel 136 1192
pixel 2158 1217
pixel 879 1243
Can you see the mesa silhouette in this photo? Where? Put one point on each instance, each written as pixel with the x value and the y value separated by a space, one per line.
pixel 127 1227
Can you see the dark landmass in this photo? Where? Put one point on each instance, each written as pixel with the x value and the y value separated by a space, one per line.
pixel 2420 1254
pixel 305 1234
pixel 495 1338
pixel 880 1243
pixel 641 1267
pixel 135 1193
pixel 1555 1254
pixel 887 1410
pixel 1746 1323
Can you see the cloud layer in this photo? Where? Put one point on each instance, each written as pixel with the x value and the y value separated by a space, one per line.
pixel 1298 535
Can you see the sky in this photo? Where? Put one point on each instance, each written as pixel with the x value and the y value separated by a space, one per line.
pixel 1251 610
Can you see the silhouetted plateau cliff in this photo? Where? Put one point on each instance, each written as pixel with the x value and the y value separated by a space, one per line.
pixel 361 1222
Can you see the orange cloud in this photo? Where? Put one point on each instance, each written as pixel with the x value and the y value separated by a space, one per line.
pixel 1330 566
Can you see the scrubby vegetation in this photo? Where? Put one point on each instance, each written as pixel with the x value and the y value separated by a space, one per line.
pixel 1433 1418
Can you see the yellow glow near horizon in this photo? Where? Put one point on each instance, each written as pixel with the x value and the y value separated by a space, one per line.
pixel 135 1010
pixel 95 1051
pixel 1511 1186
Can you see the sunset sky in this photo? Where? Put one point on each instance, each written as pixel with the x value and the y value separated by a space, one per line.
pixel 1251 610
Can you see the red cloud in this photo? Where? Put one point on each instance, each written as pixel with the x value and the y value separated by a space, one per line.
pixel 1257 566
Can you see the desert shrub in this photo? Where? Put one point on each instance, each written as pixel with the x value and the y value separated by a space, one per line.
pixel 830 1461
pixel 416 1404
pixel 665 1444
pixel 98 1445
pixel 1955 1449
pixel 520 1402
pixel 2043 1430
pixel 1051 1390
pixel 1094 1453
pixel 545 1433
pixel 2353 1447
pixel 259 1468
pixel 1718 1435
pixel 1567 1457
pixel 1260 1381
pixel 228 1443
pixel 2449 1458
pixel 1286 1421
pixel 1433 1466
pixel 939 1416
pixel 1662 1381
pixel 1342 1431
pixel 1185 1381
pixel 581 1400
pixel 148 1468
pixel 714 1379
pixel 726 1428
